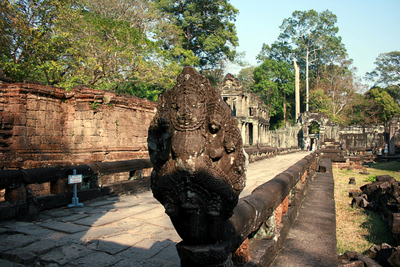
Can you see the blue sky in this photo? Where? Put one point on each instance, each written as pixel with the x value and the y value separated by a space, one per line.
pixel 367 27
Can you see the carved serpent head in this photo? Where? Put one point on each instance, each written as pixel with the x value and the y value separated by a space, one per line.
pixel 199 164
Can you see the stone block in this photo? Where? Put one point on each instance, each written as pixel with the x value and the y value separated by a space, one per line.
pixel 146 249
pixel 69 228
pixel 359 202
pixel 13 241
pixel 27 255
pixel 396 223
pixel 242 254
pixel 64 255
pixel 59 186
pixel 96 259
pixel 5 263
pixel 20 119
pixel 15 195
pixel 19 130
pixel 115 244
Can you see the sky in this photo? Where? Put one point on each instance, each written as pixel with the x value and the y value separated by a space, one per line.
pixel 367 27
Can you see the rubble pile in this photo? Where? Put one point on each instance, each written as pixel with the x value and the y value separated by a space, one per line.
pixel 376 256
pixel 382 196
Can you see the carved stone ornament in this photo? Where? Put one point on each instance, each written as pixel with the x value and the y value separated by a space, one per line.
pixel 199 163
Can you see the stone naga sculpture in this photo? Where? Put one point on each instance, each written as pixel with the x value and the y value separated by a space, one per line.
pixel 199 163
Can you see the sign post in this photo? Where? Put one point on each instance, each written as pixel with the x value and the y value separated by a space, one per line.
pixel 75 179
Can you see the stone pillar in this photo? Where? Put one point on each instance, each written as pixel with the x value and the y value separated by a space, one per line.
pixel 243 131
pixel 393 126
pixel 255 134
pixel 297 88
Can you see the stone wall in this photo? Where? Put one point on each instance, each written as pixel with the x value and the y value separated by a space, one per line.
pixel 42 126
pixel 284 137
pixel 368 137
pixel 252 115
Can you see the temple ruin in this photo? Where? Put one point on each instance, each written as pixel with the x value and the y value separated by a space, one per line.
pixel 253 117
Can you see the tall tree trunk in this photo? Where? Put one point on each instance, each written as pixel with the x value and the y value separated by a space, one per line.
pixel 284 108
pixel 307 62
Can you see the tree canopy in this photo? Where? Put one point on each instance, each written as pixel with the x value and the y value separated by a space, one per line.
pixel 274 82
pixel 311 38
pixel 387 70
pixel 208 28
pixel 28 46
pixel 129 46
pixel 384 106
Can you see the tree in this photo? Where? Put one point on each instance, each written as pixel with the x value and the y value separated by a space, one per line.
pixel 309 36
pixel 246 77
pixel 274 81
pixel 387 70
pixel 359 111
pixel 320 101
pixel 339 83
pixel 394 91
pixel 127 46
pixel 384 107
pixel 208 28
pixel 28 48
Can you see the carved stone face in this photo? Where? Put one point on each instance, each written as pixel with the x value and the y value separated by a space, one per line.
pixel 189 109
pixel 196 149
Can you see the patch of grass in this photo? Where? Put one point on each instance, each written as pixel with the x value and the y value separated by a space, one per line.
pixel 358 229
pixel 392 166
pixel 371 178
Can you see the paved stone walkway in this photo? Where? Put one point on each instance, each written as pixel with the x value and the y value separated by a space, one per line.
pixel 312 238
pixel 127 230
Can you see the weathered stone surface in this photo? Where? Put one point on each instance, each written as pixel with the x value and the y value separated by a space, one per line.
pixel 359 202
pixel 146 249
pixel 99 259
pixel 115 244
pixel 354 194
pixel 11 241
pixel 396 223
pixel 199 164
pixel 64 227
pixel 5 263
pixel 65 254
pixel 394 259
pixel 242 254
pixel 44 126
pixel 27 255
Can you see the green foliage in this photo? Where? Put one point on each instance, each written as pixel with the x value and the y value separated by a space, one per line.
pixel 335 88
pixel 207 28
pixel 311 38
pixel 387 70
pixel 94 105
pixel 319 101
pixel 313 128
pixel 359 111
pixel 307 35
pixel 274 81
pixel 99 43
pixel 384 106
pixel 370 178
pixel 28 48
pixel 394 91
pixel 142 90
pixel 246 77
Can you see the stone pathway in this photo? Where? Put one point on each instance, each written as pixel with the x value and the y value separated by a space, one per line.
pixel 127 230
pixel 312 238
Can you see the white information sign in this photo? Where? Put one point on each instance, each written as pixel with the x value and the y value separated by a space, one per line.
pixel 75 179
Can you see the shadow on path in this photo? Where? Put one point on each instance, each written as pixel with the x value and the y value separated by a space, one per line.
pixel 128 230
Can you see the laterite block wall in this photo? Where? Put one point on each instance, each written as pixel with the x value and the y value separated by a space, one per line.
pixel 42 126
